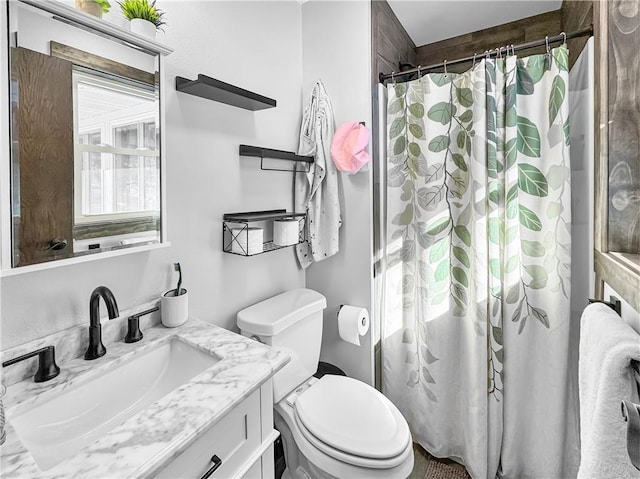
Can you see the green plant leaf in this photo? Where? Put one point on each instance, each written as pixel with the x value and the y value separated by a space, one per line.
pixel 467 116
pixel 442 271
pixel 528 138
pixel 538 274
pixel 439 143
pixel 397 127
pixel 497 334
pixel 405 218
pixel 460 276
pixel 396 106
pixel 494 230
pixel 541 315
pixel 414 149
pixel 511 152
pixel 511 264
pixel 493 165
pixel 417 110
pixel 566 131
pixel 556 97
pixel 534 249
pixel 416 131
pixel 511 97
pixel 561 56
pixel 529 219
pixel 429 198
pixel 464 96
pixel 458 160
pixel 532 181
pixel 440 79
pixel 536 66
pixel 439 226
pixel 399 145
pixel 514 294
pixel 461 255
pixel 463 233
pixel 494 267
pixel 441 112
pixel 438 250
pixel 523 79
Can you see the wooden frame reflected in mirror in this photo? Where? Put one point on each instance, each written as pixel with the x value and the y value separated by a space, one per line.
pixel 617 137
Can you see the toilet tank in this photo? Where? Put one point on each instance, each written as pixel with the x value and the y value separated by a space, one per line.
pixel 292 322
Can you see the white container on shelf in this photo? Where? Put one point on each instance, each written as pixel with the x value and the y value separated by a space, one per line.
pixel 285 231
pixel 247 241
pixel 143 27
pixel 174 310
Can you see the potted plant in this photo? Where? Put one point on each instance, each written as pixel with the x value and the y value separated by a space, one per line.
pixel 144 17
pixel 93 7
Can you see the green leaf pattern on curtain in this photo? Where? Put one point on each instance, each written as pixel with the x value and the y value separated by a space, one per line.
pixel 478 220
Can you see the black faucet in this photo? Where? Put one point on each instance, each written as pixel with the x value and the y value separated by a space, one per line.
pixel 96 349
pixel 47 367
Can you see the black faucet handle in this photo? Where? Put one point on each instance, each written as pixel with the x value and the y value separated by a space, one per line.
pixel 133 331
pixel 47 367
pixel 133 322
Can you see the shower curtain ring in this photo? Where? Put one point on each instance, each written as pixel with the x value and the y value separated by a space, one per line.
pixel 419 76
pixel 513 49
pixel 393 77
pixel 564 38
pixel 445 68
pixel 488 52
pixel 474 59
pixel 546 42
pixel 499 50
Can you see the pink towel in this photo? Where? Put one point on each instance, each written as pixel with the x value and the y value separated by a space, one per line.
pixel 349 147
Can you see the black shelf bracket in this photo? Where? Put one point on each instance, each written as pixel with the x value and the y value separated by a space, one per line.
pixel 262 153
pixel 216 90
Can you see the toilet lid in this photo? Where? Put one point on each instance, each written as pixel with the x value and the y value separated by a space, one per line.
pixel 353 417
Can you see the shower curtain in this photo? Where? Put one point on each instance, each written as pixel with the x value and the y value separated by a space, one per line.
pixel 475 328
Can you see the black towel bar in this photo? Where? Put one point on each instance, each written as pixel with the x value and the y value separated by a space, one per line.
pixel 614 303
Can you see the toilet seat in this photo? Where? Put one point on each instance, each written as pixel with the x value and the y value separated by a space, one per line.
pixel 353 423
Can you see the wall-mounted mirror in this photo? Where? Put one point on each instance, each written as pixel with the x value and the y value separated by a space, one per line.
pixel 85 141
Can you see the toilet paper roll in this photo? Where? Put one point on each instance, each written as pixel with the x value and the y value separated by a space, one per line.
pixel 285 232
pixel 247 241
pixel 353 322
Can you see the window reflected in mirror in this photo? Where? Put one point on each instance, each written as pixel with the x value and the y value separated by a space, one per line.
pixel 117 163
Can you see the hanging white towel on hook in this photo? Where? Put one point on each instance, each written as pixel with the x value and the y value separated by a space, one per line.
pixel 317 190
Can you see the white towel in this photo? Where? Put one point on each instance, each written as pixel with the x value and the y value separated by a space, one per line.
pixel 607 346
pixel 317 191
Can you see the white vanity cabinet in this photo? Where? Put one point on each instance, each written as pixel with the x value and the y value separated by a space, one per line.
pixel 241 441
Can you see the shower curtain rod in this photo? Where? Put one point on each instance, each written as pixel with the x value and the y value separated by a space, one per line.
pixel 524 46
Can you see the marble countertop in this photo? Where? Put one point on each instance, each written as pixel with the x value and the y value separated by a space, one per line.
pixel 148 440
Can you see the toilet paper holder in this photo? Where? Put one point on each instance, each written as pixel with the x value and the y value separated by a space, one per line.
pixel 631 415
pixel 338 314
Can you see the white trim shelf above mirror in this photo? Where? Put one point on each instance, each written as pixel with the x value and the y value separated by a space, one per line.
pixel 64 12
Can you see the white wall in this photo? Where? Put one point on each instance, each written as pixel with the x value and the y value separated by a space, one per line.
pixel 255 45
pixel 336 48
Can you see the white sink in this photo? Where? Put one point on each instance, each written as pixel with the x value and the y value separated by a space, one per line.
pixel 59 425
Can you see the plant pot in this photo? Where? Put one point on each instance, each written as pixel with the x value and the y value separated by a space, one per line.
pixel 90 7
pixel 143 27
pixel 174 310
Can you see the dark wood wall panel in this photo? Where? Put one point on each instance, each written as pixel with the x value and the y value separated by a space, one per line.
pixel 576 15
pixel 520 31
pixel 391 43
pixel 43 118
pixel 624 126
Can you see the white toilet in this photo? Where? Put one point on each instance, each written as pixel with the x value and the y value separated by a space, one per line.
pixel 334 427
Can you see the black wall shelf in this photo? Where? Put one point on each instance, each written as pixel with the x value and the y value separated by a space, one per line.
pixel 262 153
pixel 216 90
pixel 235 231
